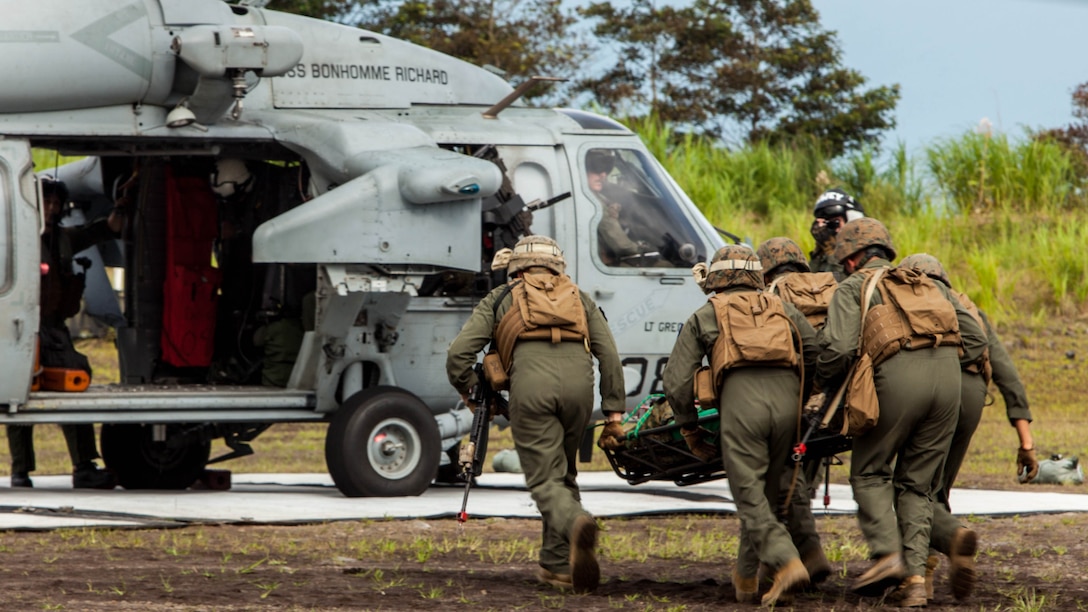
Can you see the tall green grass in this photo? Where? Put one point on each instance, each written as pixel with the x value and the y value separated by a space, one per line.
pixel 1007 217
pixel 46 161
pixel 978 172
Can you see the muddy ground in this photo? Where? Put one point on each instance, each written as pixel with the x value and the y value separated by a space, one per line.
pixel 659 563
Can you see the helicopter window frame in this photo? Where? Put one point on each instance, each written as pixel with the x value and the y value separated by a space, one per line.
pixel 8 201
pixel 649 194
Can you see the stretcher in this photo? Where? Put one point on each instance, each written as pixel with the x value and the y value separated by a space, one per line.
pixel 654 449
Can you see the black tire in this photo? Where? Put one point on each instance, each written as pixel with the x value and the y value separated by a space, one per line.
pixel 142 463
pixel 382 442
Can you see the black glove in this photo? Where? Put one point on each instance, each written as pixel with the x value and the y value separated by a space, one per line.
pixel 612 436
pixel 1027 466
pixel 696 440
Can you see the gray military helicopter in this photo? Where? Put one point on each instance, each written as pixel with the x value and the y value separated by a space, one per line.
pixel 278 168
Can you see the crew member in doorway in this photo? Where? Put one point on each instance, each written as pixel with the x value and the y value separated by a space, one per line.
pixel 61 295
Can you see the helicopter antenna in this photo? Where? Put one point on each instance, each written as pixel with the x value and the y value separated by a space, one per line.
pixel 735 238
pixel 493 112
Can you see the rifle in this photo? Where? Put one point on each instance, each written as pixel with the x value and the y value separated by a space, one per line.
pixel 488 402
pixel 829 439
pixel 511 217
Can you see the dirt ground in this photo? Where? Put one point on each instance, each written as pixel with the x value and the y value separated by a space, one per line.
pixel 658 563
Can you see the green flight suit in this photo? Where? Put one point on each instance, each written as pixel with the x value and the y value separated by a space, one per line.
pixel 61 291
pixel 613 242
pixel 799 521
pixel 972 402
pixel 759 417
pixel 895 469
pixel 551 400
pixel 281 340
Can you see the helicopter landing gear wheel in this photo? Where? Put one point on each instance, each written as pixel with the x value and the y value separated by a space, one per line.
pixel 382 442
pixel 131 452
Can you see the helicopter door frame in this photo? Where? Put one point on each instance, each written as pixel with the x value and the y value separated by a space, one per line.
pixel 645 306
pixel 20 272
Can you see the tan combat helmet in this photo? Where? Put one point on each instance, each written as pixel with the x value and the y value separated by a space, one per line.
pixel 926 264
pixel 779 251
pixel 533 251
pixel 733 265
pixel 501 259
pixel 861 234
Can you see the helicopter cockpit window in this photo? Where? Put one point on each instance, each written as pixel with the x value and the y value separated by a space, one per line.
pixel 640 223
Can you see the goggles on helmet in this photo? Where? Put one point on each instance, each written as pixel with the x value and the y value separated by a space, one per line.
pixel 830 212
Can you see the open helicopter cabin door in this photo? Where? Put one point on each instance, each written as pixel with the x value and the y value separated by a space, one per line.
pixel 20 274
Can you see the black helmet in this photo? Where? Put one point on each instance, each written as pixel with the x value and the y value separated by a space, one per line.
pixel 53 187
pixel 600 160
pixel 837 203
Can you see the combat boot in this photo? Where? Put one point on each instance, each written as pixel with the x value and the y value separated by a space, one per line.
pixel 561 581
pixel 765 576
pixel 88 476
pixel 888 571
pixel 788 577
pixel 910 594
pixel 819 568
pixel 584 572
pixel 21 479
pixel 961 573
pixel 746 589
pixel 932 562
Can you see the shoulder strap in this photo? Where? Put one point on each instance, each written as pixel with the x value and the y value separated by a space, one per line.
pixel 495 309
pixel 867 289
pixel 502 296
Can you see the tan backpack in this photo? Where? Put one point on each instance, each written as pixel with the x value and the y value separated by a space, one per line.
pixel 546 307
pixel 754 330
pixel 914 315
pixel 809 292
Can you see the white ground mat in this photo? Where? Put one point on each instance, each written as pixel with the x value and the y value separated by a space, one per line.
pixel 305 498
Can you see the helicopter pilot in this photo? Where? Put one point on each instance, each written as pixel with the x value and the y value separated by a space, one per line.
pixel 614 242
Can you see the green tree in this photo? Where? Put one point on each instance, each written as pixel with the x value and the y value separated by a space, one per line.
pixel 1074 137
pixel 755 70
pixel 522 38
pixel 332 10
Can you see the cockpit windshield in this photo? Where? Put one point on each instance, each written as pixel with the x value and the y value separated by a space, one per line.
pixel 639 222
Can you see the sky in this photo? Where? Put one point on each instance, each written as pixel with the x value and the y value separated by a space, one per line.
pixel 1014 62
